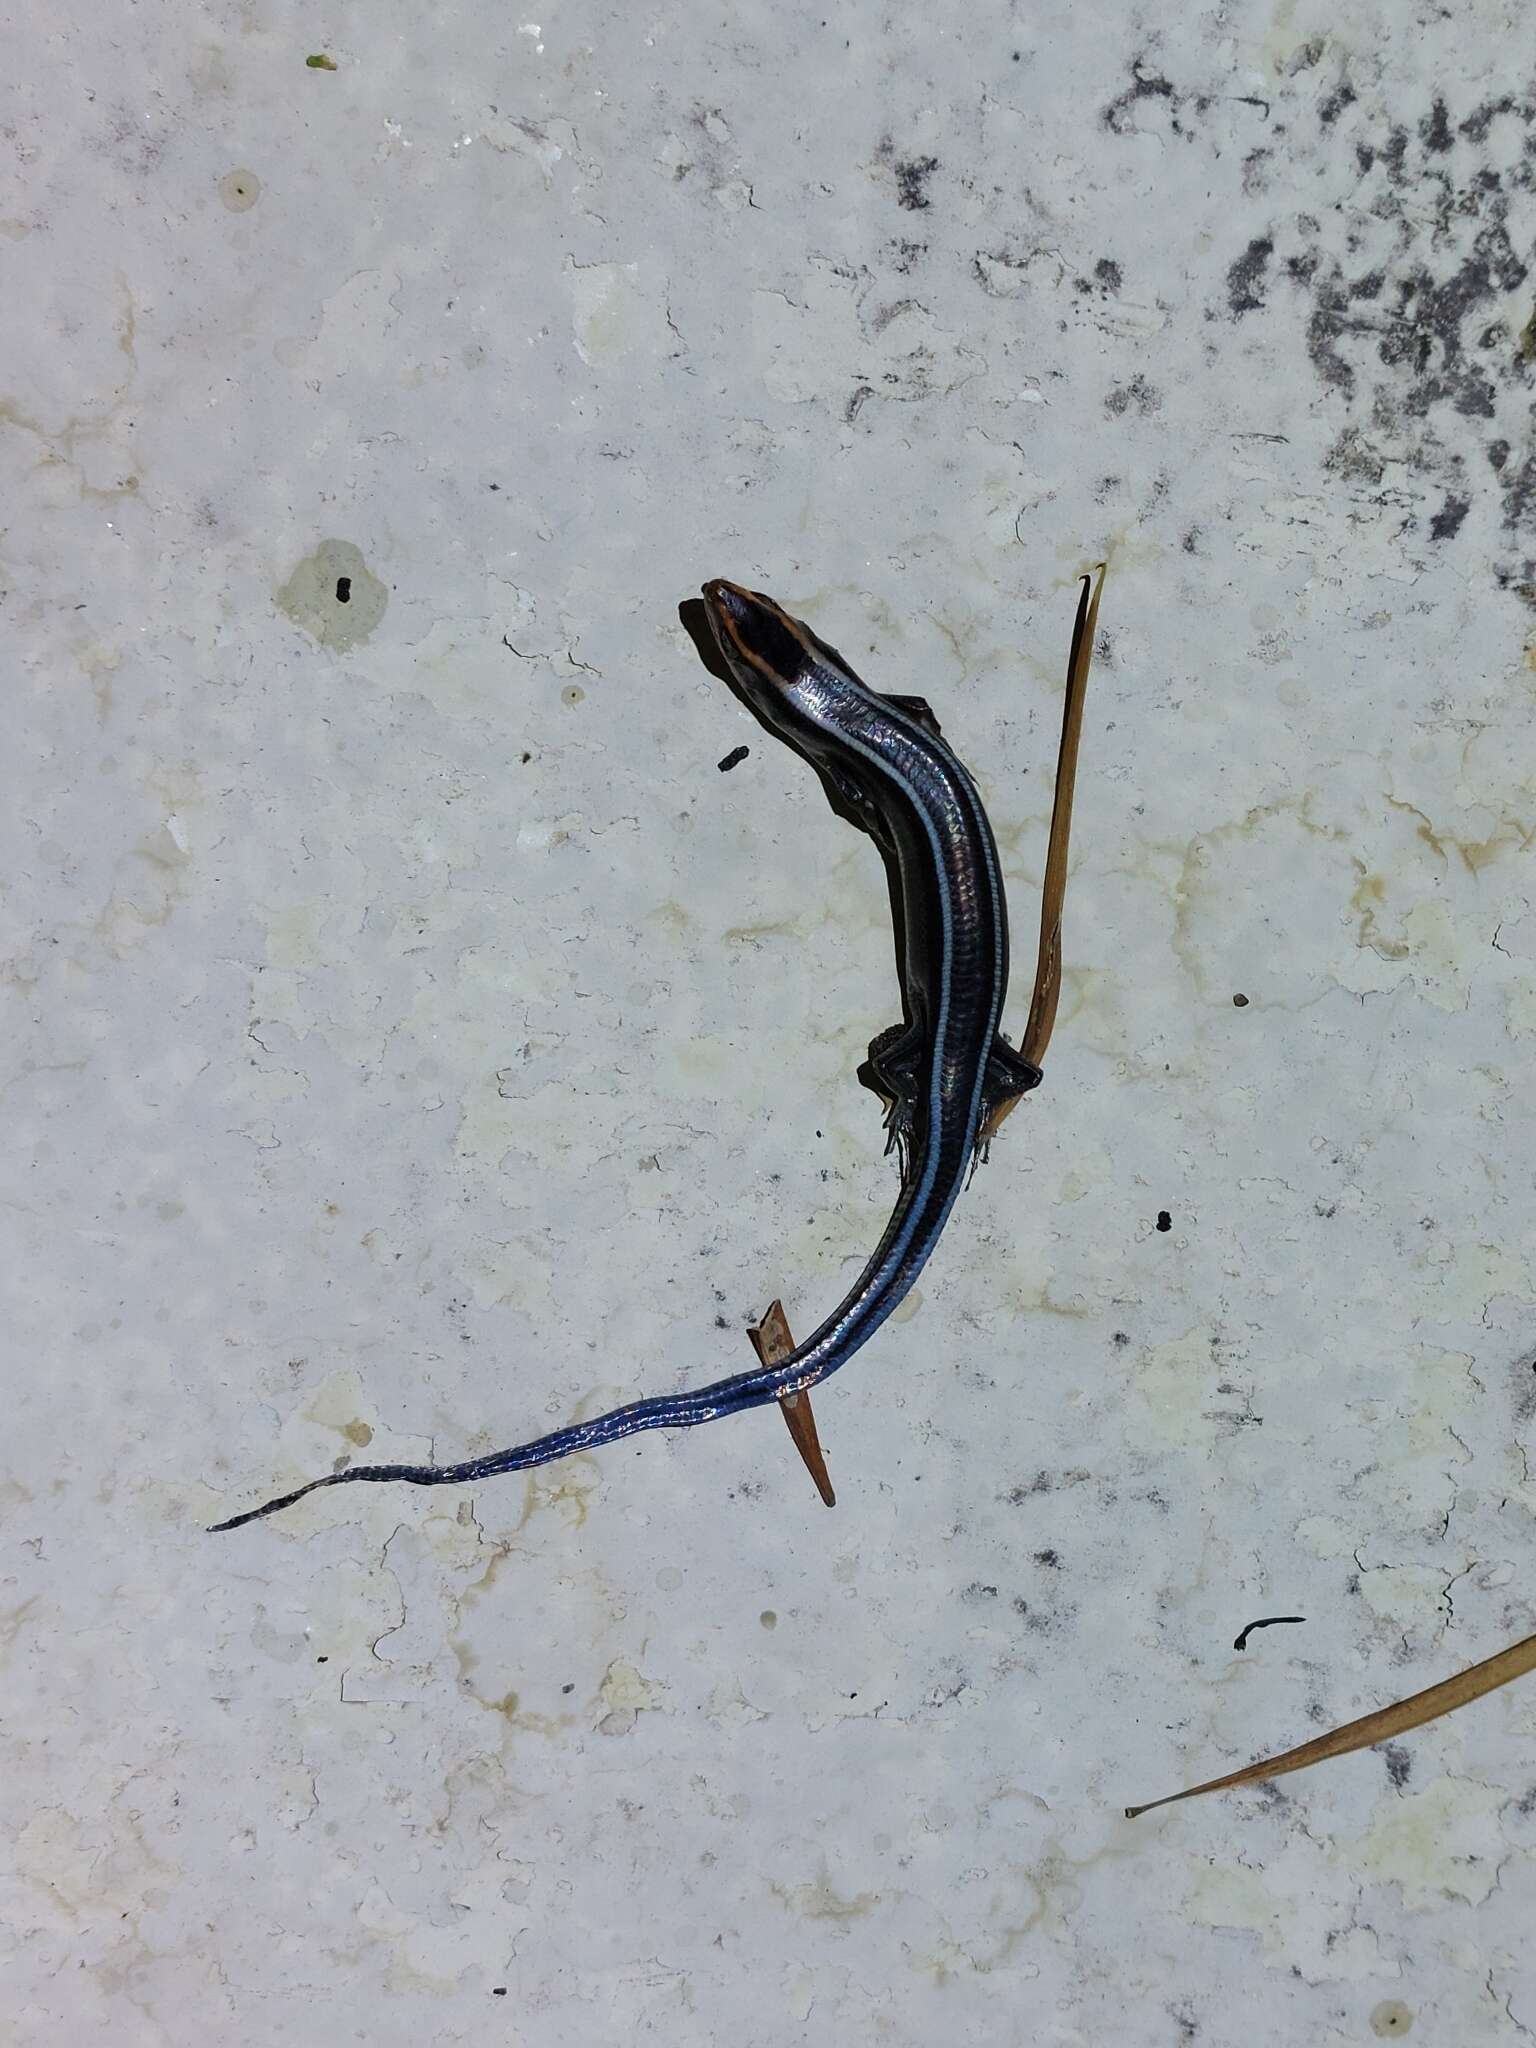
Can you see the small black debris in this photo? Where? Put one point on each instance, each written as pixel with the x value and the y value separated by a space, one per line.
pixel 734 759
pixel 1164 1220
pixel 912 182
pixel 1269 1621
pixel 1239 1002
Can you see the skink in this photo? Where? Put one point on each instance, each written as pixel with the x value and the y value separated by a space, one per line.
pixel 946 1076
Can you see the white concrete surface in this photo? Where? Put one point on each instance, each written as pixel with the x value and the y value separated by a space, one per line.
pixel 411 1039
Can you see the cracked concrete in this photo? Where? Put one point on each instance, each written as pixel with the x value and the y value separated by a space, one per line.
pixel 412 1040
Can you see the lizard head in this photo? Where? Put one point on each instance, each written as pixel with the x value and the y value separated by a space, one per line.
pixel 765 650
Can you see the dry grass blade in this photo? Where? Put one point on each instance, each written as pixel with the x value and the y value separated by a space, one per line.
pixel 1042 1008
pixel 1386 1722
pixel 773 1343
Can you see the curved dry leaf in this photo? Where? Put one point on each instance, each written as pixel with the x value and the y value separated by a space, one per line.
pixel 1386 1722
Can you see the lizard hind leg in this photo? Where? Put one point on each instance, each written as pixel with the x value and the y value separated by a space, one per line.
pixel 1009 1078
pixel 891 1072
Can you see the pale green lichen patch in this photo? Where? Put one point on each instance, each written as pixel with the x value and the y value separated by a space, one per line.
pixel 240 190
pixel 333 595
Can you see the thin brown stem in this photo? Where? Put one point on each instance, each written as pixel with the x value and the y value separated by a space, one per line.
pixel 1042 1008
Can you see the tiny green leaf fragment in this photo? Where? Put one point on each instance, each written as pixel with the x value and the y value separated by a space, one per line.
pixel 320 62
